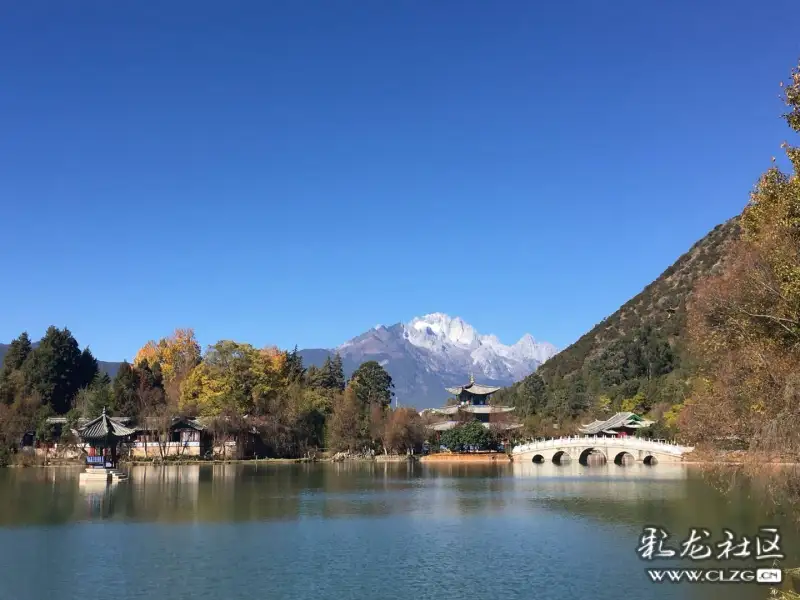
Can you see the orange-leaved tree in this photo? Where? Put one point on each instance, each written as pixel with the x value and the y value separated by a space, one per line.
pixel 744 322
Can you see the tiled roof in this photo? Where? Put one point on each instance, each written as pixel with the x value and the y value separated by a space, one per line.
pixel 152 423
pixel 487 409
pixel 103 427
pixel 472 408
pixel 83 421
pixel 621 419
pixel 473 388
pixel 444 426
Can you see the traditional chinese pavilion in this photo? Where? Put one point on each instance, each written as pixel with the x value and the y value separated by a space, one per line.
pixel 621 424
pixel 472 400
pixel 102 435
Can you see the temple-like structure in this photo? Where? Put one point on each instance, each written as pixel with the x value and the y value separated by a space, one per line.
pixel 620 425
pixel 102 436
pixel 473 402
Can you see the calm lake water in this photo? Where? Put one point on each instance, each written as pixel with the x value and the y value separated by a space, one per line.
pixel 361 531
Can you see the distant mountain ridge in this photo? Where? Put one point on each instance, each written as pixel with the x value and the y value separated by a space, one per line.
pixel 636 358
pixel 661 304
pixel 432 352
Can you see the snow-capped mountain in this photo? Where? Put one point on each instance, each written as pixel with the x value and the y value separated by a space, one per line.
pixel 434 351
pixel 454 343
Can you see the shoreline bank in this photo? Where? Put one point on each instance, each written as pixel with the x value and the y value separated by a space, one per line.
pixel 701 458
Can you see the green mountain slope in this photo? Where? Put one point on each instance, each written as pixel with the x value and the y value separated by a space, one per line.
pixel 633 359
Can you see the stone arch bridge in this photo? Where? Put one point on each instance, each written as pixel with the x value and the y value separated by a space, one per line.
pixel 613 449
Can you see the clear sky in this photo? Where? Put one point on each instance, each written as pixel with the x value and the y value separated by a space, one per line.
pixel 298 172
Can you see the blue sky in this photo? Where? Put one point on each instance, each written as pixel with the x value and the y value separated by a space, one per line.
pixel 297 172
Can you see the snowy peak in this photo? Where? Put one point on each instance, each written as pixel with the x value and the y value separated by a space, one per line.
pixel 434 351
pixel 528 347
pixel 452 344
pixel 440 331
pixel 439 328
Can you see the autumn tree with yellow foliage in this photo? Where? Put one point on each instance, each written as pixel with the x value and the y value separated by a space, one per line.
pixel 176 355
pixel 744 324
pixel 235 386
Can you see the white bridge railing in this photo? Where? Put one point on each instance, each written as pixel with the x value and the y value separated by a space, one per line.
pixel 589 441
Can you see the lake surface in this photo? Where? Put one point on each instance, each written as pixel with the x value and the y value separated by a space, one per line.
pixel 362 531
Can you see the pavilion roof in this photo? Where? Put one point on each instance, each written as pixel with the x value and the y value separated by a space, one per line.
pixel 82 421
pixel 471 408
pixel 153 423
pixel 621 419
pixel 473 388
pixel 103 427
pixel 445 425
pixel 487 409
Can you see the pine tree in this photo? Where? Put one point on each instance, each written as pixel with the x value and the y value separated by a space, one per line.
pixel 314 377
pixel 88 366
pixel 294 366
pixel 531 397
pixel 372 384
pixel 337 379
pixel 17 352
pixel 93 399
pixel 11 380
pixel 56 369
pixel 123 389
pixel 331 376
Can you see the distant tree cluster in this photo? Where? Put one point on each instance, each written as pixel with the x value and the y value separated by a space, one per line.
pixel 37 382
pixel 471 435
pixel 232 385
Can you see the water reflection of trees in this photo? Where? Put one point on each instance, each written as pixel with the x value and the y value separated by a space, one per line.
pixel 38 496
pixel 776 488
pixel 673 497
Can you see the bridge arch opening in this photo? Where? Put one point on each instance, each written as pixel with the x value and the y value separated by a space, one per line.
pixel 561 457
pixel 624 458
pixel 592 456
pixel 538 459
pixel 650 460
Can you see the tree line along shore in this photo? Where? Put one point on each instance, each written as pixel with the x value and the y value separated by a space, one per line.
pixel 231 387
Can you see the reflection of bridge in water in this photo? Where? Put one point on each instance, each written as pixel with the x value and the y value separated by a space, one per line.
pixel 585 449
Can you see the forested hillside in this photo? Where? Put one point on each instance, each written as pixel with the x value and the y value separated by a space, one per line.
pixel 744 323
pixel 661 306
pixel 711 349
pixel 633 360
